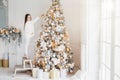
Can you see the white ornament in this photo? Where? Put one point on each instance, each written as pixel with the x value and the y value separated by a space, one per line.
pixel 48 66
pixel 59 29
pixel 52 23
pixel 5 3
pixel 43 43
pixel 65 55
pixel 61 48
pixel 57 14
pixel 56 61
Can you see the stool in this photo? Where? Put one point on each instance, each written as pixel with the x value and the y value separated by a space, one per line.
pixel 26 60
pixel 24 67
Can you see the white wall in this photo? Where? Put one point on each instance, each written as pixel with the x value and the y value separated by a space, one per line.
pixel 72 14
pixel 93 25
pixel 18 8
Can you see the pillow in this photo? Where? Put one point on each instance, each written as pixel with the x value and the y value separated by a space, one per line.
pixel 74 78
pixel 79 75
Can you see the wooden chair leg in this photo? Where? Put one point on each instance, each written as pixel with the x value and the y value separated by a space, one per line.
pixel 15 72
pixel 31 64
pixel 24 64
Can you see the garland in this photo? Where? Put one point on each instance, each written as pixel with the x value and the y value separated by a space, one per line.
pixel 10 33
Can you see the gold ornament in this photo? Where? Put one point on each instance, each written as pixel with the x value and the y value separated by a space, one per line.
pixel 66 36
pixel 3 31
pixel 6 32
pixel 58 66
pixel 38 52
pixel 46 30
pixel 17 30
pixel 45 59
pixel 55 3
pixel 67 50
pixel 52 15
pixel 57 18
pixel 61 24
pixel 61 58
pixel 66 66
pixel 44 69
pixel 57 9
pixel 53 44
pixel 38 44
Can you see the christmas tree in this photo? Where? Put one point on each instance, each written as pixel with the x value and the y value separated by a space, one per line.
pixel 53 49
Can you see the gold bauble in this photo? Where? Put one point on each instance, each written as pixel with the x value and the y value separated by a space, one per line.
pixel 66 35
pixel 57 18
pixel 3 31
pixel 52 15
pixel 59 66
pixel 68 49
pixel 66 66
pixel 54 3
pixel 57 9
pixel 61 58
pixel 46 30
pixel 53 44
pixel 45 69
pixel 43 64
pixel 17 30
pixel 38 44
pixel 61 24
pixel 7 32
pixel 45 58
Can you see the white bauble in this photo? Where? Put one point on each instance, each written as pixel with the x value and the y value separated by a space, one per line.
pixel 59 29
pixel 61 48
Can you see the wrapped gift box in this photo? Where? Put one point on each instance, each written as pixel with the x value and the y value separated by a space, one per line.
pixel 45 75
pixel 1 64
pixel 5 63
pixel 34 72
pixel 63 73
pixel 40 74
pixel 54 74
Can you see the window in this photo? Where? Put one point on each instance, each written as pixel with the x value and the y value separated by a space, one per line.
pixel 110 40
pixel 3 13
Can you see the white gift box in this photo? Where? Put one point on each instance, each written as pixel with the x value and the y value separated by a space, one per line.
pixel 40 74
pixel 34 72
pixel 57 74
pixel 45 75
pixel 63 73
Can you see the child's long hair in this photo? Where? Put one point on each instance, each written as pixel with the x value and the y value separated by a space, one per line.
pixel 26 16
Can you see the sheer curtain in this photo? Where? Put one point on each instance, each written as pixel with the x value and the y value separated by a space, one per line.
pixel 110 40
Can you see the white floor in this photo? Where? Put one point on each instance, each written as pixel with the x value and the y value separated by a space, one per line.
pixel 8 74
